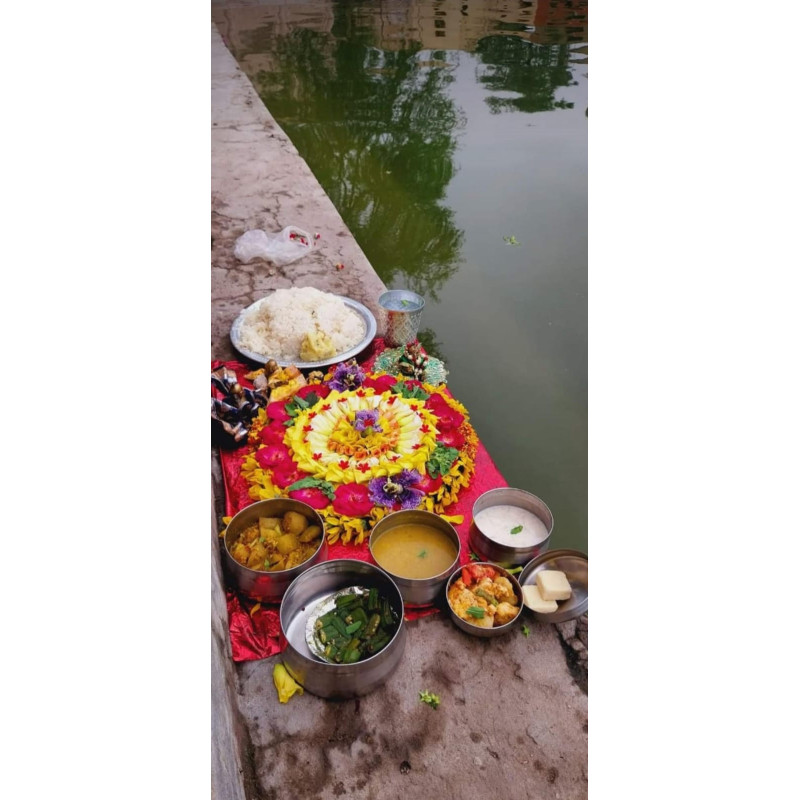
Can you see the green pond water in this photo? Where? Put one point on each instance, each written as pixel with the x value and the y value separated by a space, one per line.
pixel 452 138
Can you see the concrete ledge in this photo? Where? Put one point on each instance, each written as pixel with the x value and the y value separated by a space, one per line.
pixel 258 180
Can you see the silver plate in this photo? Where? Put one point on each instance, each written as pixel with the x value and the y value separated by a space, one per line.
pixel 575 565
pixel 365 314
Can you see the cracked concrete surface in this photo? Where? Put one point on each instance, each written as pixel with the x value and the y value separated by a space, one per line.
pixel 513 717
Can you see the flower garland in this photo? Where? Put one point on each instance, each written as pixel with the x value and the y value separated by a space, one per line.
pixel 357 446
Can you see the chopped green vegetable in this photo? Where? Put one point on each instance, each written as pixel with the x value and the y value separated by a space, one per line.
pixel 422 554
pixel 511 240
pixel 526 631
pixel 486 596
pixel 372 602
pixel 346 600
pixel 477 612
pixel 517 529
pixel 354 627
pixel 430 698
pixel 372 625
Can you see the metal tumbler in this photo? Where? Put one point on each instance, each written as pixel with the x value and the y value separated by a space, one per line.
pixel 402 311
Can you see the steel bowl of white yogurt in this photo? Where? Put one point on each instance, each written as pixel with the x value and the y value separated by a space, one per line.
pixel 510 526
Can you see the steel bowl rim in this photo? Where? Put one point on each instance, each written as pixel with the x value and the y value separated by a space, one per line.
pixel 514 582
pixel 525 492
pixel 328 664
pixel 418 581
pixel 409 291
pixel 277 571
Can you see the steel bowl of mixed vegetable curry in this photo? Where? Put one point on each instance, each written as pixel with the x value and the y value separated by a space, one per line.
pixel 484 599
pixel 269 543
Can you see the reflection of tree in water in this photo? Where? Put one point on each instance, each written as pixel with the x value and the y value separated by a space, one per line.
pixel 432 346
pixel 377 129
pixel 533 70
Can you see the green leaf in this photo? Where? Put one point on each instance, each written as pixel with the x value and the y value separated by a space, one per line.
pixel 430 699
pixel 422 554
pixel 526 631
pixel 313 483
pixel 517 529
pixel 441 460
pixel 477 612
pixel 288 423
pixel 300 402
pixel 474 557
pixel 409 392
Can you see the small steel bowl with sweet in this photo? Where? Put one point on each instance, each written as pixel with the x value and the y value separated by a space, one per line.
pixel 420 551
pixel 269 543
pixel 484 599
pixel 510 526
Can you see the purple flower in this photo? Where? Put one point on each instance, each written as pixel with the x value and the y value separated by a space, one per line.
pixel 388 491
pixel 347 376
pixel 367 419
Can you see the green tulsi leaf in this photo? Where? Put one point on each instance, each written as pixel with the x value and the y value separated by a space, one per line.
pixel 441 460
pixel 477 612
pixel 409 392
pixel 474 557
pixel 517 529
pixel 299 404
pixel 313 483
pixel 430 698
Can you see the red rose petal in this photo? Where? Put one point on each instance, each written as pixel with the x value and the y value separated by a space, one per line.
pixel 352 500
pixel 277 412
pixel 314 497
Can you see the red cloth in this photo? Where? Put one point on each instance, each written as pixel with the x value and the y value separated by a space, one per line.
pixel 258 635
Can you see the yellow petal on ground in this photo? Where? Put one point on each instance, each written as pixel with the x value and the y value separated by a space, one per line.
pixel 286 685
pixel 255 608
pixel 457 519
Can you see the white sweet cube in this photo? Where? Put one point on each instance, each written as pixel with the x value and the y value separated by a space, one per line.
pixel 553 585
pixel 534 601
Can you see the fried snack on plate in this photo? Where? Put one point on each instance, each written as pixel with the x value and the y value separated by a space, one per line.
pixel 284 383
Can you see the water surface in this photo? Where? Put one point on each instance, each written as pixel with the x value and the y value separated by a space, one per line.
pixel 451 137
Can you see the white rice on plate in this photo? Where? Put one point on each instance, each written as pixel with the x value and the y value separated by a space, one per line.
pixel 277 326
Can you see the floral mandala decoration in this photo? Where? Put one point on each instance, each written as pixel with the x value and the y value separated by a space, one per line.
pixel 358 446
